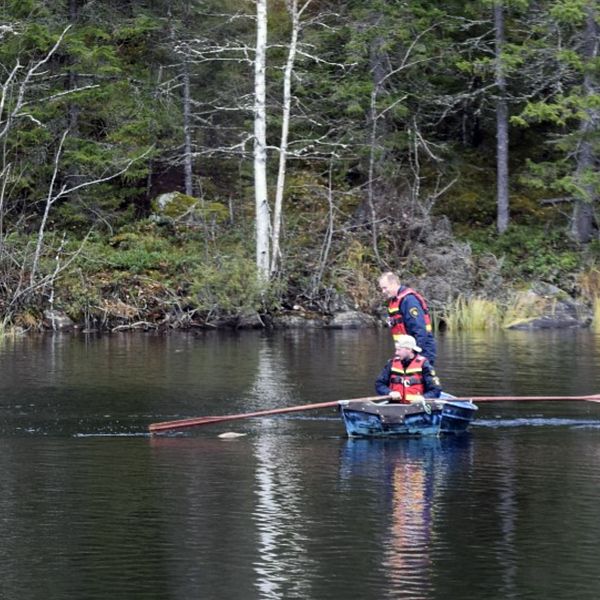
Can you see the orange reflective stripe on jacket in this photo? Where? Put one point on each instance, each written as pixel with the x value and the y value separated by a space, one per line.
pixel 408 381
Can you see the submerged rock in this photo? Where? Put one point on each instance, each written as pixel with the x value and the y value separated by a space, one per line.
pixel 545 306
pixel 546 322
pixel 297 321
pixel 249 320
pixel 57 320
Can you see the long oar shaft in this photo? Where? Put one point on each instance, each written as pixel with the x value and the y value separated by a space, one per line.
pixel 195 422
pixel 594 398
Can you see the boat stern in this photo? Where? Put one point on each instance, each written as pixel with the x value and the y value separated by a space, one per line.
pixel 457 416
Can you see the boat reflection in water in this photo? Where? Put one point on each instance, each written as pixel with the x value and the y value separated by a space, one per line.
pixel 408 475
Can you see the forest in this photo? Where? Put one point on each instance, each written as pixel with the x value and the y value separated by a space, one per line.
pixel 201 163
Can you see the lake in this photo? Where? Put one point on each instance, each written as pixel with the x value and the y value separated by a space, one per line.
pixel 92 507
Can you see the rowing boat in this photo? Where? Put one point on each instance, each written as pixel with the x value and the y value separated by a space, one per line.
pixel 372 419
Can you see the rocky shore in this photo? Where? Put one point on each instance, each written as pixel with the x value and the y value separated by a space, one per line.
pixel 553 309
pixel 443 270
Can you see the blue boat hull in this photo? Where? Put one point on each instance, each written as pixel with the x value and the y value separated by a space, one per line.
pixel 389 420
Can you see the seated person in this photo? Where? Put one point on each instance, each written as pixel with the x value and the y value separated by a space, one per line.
pixel 408 377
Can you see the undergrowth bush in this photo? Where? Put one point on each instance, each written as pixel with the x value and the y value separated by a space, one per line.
pixel 231 286
pixel 146 271
pixel 530 252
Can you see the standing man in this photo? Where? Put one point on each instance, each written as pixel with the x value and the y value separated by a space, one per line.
pixel 408 314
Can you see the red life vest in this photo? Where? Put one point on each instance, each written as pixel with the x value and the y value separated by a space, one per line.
pixel 408 381
pixel 396 320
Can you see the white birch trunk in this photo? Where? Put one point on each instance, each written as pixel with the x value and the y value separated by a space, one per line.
pixel 260 144
pixel 50 200
pixel 285 127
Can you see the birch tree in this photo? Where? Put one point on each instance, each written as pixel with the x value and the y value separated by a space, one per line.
pixel 260 144
pixel 22 92
pixel 268 227
pixel 295 16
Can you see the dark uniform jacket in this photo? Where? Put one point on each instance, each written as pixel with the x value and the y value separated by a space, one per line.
pixel 414 322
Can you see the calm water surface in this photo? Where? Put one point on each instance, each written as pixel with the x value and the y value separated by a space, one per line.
pixel 92 507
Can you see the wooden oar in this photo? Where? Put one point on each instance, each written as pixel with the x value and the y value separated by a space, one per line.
pixel 184 423
pixel 196 422
pixel 593 398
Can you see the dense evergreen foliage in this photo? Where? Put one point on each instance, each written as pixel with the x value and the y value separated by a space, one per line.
pixel 126 190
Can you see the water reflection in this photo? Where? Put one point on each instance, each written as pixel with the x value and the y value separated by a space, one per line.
pixel 280 519
pixel 282 554
pixel 518 362
pixel 272 385
pixel 507 510
pixel 63 384
pixel 406 558
pixel 411 475
pixel 206 497
pixel 293 509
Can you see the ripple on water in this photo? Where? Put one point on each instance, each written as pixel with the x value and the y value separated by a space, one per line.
pixel 537 422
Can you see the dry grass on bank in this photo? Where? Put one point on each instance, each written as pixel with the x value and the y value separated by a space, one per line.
pixel 7 331
pixel 481 314
pixel 472 314
pixel 523 306
pixel 596 315
pixel 590 287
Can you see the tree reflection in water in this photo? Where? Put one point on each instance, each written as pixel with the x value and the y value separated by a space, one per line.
pixel 283 559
